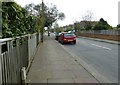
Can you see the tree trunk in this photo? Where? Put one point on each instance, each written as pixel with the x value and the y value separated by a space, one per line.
pixel 48 31
pixel 42 37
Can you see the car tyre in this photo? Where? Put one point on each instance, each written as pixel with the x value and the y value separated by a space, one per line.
pixel 62 42
pixel 73 42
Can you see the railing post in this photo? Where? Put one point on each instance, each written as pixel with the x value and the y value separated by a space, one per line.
pixel 29 38
pixel 0 65
pixel 23 75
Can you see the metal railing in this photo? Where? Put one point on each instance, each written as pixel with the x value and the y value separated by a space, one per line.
pixel 15 54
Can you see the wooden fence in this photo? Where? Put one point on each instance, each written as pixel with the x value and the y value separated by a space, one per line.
pixel 15 54
pixel 102 34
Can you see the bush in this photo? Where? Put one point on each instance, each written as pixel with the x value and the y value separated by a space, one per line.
pixel 102 25
pixel 15 20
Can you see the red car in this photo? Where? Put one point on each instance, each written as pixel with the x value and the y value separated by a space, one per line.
pixel 67 37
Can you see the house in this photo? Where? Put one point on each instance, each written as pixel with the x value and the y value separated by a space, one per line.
pixel 84 24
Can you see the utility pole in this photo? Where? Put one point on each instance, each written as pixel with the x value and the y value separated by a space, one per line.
pixel 118 12
pixel 42 27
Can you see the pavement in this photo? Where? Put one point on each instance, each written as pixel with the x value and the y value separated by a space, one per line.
pixel 53 64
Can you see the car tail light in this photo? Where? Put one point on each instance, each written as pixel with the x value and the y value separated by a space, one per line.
pixel 74 38
pixel 65 39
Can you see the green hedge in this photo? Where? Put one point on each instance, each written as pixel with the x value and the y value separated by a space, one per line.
pixel 16 21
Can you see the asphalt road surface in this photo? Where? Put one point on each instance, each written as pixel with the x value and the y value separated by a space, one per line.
pixel 101 56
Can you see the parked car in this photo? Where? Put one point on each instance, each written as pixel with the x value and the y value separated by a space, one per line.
pixel 67 37
pixel 56 35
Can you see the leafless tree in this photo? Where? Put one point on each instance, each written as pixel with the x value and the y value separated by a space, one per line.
pixel 87 19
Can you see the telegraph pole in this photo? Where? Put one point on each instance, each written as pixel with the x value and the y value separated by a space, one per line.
pixel 118 12
pixel 42 27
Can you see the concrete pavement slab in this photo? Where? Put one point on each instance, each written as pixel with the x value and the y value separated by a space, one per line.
pixel 59 80
pixel 62 74
pixel 81 74
pixel 52 64
pixel 86 80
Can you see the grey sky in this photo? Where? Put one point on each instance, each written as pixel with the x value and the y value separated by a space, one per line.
pixel 74 9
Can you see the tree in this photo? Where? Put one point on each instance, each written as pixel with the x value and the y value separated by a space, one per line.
pixel 102 25
pixel 15 20
pixel 87 18
pixel 118 26
pixel 51 14
pixel 68 29
pixel 57 28
pixel 77 27
pixel 29 8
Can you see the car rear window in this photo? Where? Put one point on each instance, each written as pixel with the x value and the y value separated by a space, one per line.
pixel 68 34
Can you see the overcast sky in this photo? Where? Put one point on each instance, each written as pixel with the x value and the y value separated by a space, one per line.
pixel 74 9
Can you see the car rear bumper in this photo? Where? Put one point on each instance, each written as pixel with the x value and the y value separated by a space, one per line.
pixel 67 41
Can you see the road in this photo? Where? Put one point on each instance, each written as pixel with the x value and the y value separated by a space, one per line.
pixel 100 56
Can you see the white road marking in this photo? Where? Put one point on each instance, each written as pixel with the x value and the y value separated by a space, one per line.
pixel 102 47
pixel 90 69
